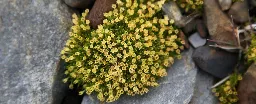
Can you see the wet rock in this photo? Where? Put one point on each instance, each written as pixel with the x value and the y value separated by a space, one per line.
pixel 218 24
pixel 216 62
pixel 172 10
pixel 202 93
pixel 82 4
pixel 239 12
pixel 96 13
pixel 184 38
pixel 33 33
pixel 196 40
pixel 225 4
pixel 201 28
pixel 176 88
pixel 247 87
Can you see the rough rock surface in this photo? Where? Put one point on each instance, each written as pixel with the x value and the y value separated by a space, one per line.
pixel 202 93
pixel 218 24
pixel 239 12
pixel 247 87
pixel 96 15
pixel 82 4
pixel 176 88
pixel 32 34
pixel 218 63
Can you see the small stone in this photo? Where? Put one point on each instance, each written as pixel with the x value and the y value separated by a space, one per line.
pixel 182 36
pixel 201 29
pixel 239 12
pixel 176 88
pixel 247 87
pixel 216 62
pixel 225 4
pixel 218 24
pixel 99 8
pixel 82 4
pixel 196 40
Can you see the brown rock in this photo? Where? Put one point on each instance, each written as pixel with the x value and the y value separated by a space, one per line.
pixel 218 24
pixel 239 12
pixel 201 28
pixel 247 87
pixel 96 14
pixel 183 38
pixel 190 27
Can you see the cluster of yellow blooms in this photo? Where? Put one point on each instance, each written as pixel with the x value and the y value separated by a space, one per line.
pixel 126 54
pixel 251 53
pixel 227 92
pixel 190 4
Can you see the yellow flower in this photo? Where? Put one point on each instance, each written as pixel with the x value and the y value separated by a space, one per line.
pixel 214 90
pixel 113 6
pixel 114 50
pixel 81 92
pixel 228 83
pixel 65 80
pixel 240 77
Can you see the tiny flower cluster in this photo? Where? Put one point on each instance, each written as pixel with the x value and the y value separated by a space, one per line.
pixel 251 53
pixel 126 54
pixel 227 92
pixel 190 4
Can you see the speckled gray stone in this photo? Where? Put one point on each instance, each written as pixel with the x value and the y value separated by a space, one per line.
pixel 176 88
pixel 32 34
pixel 202 93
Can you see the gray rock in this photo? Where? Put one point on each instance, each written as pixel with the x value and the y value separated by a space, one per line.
pixel 33 33
pixel 196 40
pixel 203 94
pixel 225 4
pixel 82 4
pixel 218 24
pixel 217 62
pixel 176 88
pixel 172 10
pixel 247 87
pixel 239 12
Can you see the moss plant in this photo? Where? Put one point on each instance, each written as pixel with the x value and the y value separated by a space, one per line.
pixel 126 54
pixel 227 92
pixel 251 53
pixel 188 5
pixel 237 0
